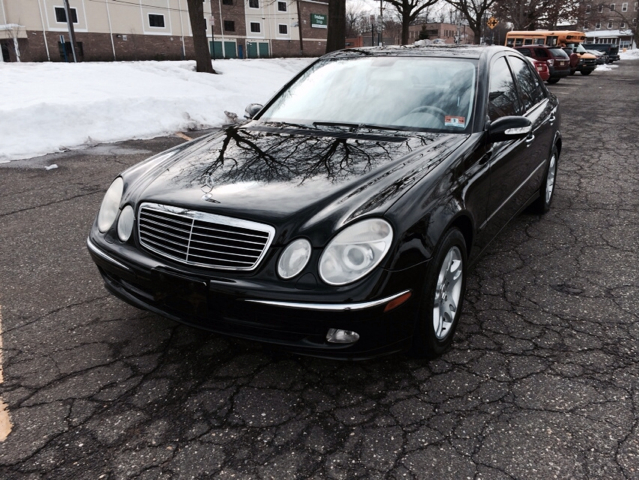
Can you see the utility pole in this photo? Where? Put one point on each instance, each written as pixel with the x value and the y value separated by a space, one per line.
pixel 67 11
pixel 299 25
pixel 381 23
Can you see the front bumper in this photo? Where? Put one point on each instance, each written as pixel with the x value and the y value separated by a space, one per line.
pixel 298 320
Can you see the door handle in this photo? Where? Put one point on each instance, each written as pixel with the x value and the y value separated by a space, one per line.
pixel 529 140
pixel 552 118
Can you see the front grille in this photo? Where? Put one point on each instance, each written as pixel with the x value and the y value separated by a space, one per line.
pixel 203 239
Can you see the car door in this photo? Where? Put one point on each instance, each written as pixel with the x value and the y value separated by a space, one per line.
pixel 508 158
pixel 541 113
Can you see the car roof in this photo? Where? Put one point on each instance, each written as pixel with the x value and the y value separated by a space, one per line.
pixel 450 51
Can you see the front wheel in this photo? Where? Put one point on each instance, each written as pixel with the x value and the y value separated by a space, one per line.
pixel 547 189
pixel 586 72
pixel 553 80
pixel 442 297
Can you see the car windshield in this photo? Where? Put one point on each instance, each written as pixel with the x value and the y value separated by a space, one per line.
pixel 388 92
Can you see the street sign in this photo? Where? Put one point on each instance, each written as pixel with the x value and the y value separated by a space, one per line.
pixel 319 20
pixel 492 22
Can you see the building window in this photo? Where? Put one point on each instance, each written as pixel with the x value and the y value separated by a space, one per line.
pixel 61 15
pixel 597 26
pixel 227 2
pixel 622 25
pixel 206 25
pixel 283 29
pixel 255 27
pixel 586 25
pixel 229 25
pixel 600 9
pixel 612 7
pixel 254 3
pixel 281 6
pixel 588 8
pixel 610 25
pixel 624 7
pixel 634 21
pixel 156 20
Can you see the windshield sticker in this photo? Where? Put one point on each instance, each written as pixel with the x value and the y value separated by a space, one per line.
pixel 450 121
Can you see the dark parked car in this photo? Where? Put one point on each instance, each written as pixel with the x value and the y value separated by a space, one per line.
pixel 342 219
pixel 558 61
pixel 612 51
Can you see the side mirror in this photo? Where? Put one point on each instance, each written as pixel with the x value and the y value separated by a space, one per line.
pixel 508 128
pixel 252 110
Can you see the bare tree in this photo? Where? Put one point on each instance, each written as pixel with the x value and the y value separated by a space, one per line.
pixel 474 11
pixel 336 39
pixel 533 14
pixel 198 28
pixel 409 10
pixel 354 20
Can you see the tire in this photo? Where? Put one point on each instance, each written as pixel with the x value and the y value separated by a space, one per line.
pixel 553 80
pixel 442 297
pixel 572 71
pixel 547 188
pixel 587 72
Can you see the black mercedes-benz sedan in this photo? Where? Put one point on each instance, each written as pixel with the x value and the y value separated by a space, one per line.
pixel 341 219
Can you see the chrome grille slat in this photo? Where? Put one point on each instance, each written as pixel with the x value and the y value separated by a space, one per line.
pixel 164 247
pixel 146 227
pixel 203 239
pixel 198 225
pixel 181 230
pixel 260 244
pixel 170 217
pixel 194 246
pixel 161 239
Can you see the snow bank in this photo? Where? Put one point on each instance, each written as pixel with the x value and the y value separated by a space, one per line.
pixel 630 54
pixel 49 107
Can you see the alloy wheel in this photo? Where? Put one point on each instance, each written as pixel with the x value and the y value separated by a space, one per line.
pixel 448 293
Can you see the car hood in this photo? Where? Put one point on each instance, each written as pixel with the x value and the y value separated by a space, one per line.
pixel 295 179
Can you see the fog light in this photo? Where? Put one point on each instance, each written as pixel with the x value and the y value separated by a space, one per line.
pixel 336 335
pixel 125 224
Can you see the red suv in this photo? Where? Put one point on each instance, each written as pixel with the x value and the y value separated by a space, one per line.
pixel 557 60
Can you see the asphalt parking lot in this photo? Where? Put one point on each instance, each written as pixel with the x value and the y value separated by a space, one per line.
pixel 542 381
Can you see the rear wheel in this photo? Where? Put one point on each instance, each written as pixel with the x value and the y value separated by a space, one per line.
pixel 547 189
pixel 553 80
pixel 442 297
pixel 586 72
pixel 572 71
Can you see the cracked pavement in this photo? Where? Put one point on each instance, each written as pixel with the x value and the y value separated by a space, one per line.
pixel 542 380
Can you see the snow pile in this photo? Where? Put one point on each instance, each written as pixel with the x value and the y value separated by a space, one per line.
pixel 49 107
pixel 606 68
pixel 630 54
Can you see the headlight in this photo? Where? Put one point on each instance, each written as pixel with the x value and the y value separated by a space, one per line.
pixel 125 223
pixel 110 205
pixel 355 251
pixel 294 258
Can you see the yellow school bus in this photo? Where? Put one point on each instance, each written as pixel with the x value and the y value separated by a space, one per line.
pixel 552 38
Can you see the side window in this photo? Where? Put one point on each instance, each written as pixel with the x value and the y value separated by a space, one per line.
pixel 502 97
pixel 525 51
pixel 541 53
pixel 531 90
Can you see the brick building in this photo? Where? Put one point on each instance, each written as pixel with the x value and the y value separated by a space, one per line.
pixel 447 32
pixel 610 22
pixel 106 30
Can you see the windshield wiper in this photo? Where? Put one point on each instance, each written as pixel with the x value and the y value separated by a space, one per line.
pixel 356 126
